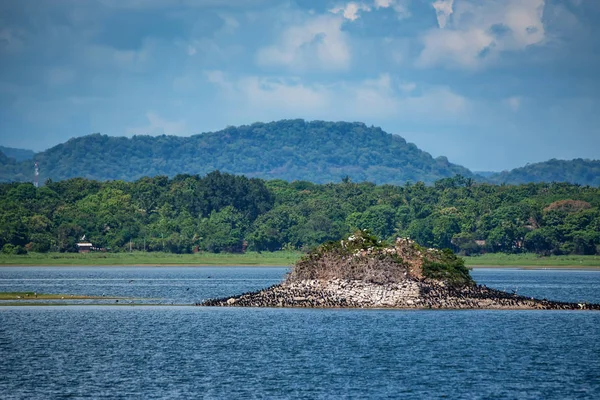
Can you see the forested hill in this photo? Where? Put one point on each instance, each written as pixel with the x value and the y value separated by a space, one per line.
pixel 17 154
pixel 11 170
pixel 291 150
pixel 578 171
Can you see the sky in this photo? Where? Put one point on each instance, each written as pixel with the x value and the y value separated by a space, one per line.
pixel 491 84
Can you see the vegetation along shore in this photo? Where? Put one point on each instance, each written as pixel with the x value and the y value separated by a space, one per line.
pixel 26 297
pixel 276 258
pixel 223 213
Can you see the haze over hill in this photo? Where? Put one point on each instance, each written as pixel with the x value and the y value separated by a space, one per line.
pixel 17 154
pixel 289 149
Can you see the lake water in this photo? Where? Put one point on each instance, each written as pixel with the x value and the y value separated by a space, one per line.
pixel 159 351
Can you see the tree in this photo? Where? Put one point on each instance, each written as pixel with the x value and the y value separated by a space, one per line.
pixel 271 230
pixel 379 219
pixel 541 241
pixel 223 231
pixel 445 226
pixel 68 236
pixel 464 242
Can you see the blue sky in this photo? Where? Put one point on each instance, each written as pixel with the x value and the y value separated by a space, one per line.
pixel 490 84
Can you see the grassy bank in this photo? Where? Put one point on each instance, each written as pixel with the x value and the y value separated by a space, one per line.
pixel 29 296
pixel 531 260
pixel 284 258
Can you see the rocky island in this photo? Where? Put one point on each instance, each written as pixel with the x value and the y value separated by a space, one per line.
pixel 363 272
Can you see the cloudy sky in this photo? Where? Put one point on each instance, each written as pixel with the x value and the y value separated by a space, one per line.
pixel 491 84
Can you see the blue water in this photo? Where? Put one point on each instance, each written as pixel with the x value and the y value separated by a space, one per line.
pixel 158 285
pixel 191 352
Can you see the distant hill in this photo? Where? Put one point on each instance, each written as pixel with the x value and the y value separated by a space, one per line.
pixel 17 154
pixel 11 170
pixel 485 174
pixel 290 149
pixel 579 171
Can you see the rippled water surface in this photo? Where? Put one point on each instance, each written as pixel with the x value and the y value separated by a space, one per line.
pixel 191 352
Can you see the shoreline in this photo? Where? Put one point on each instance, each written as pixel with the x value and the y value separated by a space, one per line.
pixel 409 293
pixel 538 267
pixel 155 265
pixel 271 259
pixel 193 265
pixel 375 309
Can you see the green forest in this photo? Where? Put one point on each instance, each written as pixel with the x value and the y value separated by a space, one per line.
pixel 221 212
pixel 316 151
pixel 585 172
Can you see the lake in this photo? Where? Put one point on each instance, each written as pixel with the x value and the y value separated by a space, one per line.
pixel 163 351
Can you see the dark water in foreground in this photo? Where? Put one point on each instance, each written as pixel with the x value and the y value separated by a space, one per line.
pixel 191 352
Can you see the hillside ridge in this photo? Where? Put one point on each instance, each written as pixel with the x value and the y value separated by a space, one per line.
pixel 17 154
pixel 316 151
pixel 578 171
pixel 291 150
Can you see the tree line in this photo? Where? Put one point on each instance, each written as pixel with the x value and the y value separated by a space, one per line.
pixel 220 212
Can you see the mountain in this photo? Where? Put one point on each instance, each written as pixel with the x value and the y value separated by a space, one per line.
pixel 11 170
pixel 485 174
pixel 315 151
pixel 17 154
pixel 579 171
pixel 291 150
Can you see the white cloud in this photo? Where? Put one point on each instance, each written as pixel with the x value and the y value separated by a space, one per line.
pixel 159 126
pixel 350 10
pixel 205 47
pixel 480 31
pixel 317 43
pixel 451 47
pixel 381 98
pixel 209 46
pixel 383 3
pixel 407 87
pixel 230 25
pixel 260 95
pixel 191 50
pixel 443 10
pixel 60 76
pixel 514 103
pixel 400 6
pixel 153 4
pixel 217 77
pixel 106 56
pixel 524 19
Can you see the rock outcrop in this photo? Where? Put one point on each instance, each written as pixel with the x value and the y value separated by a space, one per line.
pixel 410 294
pixel 364 273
